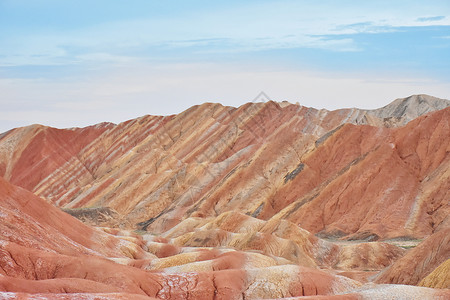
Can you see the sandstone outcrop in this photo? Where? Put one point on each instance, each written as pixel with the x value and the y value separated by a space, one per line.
pixel 439 278
pixel 374 182
pixel 262 159
pixel 29 154
pixel 44 250
pixel 420 261
pixel 266 200
pixel 74 296
pixel 280 241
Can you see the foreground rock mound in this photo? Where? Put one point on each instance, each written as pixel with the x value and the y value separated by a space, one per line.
pixel 439 278
pixel 45 250
pixel 72 261
pixel 279 239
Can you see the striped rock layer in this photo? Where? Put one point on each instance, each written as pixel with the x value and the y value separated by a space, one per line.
pixel 47 254
pixel 315 168
pixel 268 200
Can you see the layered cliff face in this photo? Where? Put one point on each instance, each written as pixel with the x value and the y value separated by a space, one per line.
pixel 267 200
pixel 311 167
pixel 29 154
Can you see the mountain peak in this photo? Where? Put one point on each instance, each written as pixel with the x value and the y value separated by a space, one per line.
pixel 410 108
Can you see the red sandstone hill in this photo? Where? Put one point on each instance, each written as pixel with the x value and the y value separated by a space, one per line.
pixel 29 154
pixel 420 261
pixel 231 203
pixel 267 160
pixel 47 254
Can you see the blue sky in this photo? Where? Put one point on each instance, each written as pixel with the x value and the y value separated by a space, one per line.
pixel 76 63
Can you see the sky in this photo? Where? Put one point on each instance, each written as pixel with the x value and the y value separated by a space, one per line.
pixel 77 63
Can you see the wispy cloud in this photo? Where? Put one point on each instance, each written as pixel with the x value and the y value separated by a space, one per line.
pixel 430 19
pixel 266 43
pixel 363 27
pixel 158 56
pixel 102 57
pixel 242 27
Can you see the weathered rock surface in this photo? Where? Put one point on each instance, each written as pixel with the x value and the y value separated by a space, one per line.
pixel 266 200
pixel 439 278
pixel 420 261
pixel 95 216
pixel 401 111
pixel 400 292
pixel 44 250
pixel 31 153
pixel 280 241
pixel 73 296
pixel 382 292
pixel 371 183
pixel 29 221
pixel 262 159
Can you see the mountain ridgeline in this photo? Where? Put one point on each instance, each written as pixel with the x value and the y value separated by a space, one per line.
pixel 266 200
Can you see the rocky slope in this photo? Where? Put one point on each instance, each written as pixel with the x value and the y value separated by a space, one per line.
pixel 45 250
pixel 402 111
pixel 439 278
pixel 420 262
pixel 261 159
pixel 29 154
pixel 47 254
pixel 266 200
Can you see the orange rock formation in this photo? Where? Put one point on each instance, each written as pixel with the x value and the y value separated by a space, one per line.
pixel 260 201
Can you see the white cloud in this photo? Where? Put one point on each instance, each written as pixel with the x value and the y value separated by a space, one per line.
pixel 117 82
pixel 105 57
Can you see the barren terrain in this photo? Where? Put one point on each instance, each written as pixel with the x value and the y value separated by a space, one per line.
pixel 264 201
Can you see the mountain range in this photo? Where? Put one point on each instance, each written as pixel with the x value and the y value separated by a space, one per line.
pixel 266 200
